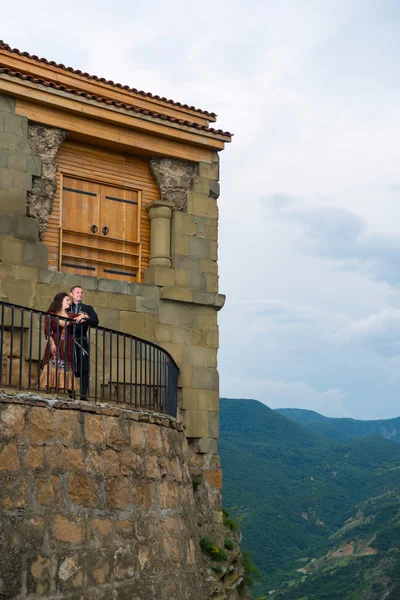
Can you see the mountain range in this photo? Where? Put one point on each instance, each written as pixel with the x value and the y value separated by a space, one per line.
pixel 294 490
pixel 343 429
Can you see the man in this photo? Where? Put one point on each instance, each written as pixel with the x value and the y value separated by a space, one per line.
pixel 86 318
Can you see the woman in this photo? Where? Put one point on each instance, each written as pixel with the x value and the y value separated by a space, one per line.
pixel 58 355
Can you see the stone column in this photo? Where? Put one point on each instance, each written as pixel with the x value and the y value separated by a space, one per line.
pixel 160 214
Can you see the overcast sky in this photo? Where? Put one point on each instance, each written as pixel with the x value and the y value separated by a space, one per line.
pixel 309 209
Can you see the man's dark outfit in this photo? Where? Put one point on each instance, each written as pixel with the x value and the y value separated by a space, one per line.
pixel 82 349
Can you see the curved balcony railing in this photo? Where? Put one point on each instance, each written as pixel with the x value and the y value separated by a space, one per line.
pixel 45 353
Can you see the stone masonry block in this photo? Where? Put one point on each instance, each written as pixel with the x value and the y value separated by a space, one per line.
pixel 214 189
pixel 7 141
pixel 34 165
pixel 197 423
pixel 208 400
pixel 7 104
pixel 141 289
pixel 173 313
pixel 3 157
pixel 206 318
pixel 16 125
pixel 180 244
pixel 180 335
pixel 85 281
pixel 212 360
pixel 108 285
pixel 22 180
pixel 139 324
pixel 179 294
pixel 195 356
pixel 200 248
pixel 160 276
pixel 19 292
pixel 16 161
pixel 35 255
pixel 163 333
pixel 213 424
pixel 205 445
pixel 201 205
pixel 197 281
pixel 209 170
pixel 26 229
pixel 13 201
pixel 212 283
pixel 213 250
pixel 7 179
pixel 109 317
pixel 205 378
pixel 201 185
pixel 23 145
pixel 186 262
pixel 6 225
pixel 26 273
pixel 175 350
pixel 44 294
pixel 189 399
pixel 209 266
pixel 11 250
pixel 185 377
pixel 211 232
pixel 148 305
pixel 181 278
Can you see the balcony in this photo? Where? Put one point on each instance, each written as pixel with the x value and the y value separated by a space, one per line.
pixel 119 368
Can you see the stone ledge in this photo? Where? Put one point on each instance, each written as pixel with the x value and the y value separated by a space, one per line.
pixel 10 396
pixel 180 294
pixel 100 285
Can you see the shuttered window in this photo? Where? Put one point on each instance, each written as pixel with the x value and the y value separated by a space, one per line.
pixel 99 225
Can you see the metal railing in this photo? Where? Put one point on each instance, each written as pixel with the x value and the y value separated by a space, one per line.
pixel 46 353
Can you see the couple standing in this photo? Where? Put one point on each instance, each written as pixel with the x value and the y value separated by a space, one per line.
pixel 67 353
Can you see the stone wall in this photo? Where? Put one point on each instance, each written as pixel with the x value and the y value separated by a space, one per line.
pixel 98 503
pixel 19 160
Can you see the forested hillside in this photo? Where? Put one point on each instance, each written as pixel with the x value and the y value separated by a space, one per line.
pixel 296 487
pixel 343 429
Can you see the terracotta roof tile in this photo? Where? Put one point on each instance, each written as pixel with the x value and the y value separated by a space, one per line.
pixel 5 46
pixel 111 102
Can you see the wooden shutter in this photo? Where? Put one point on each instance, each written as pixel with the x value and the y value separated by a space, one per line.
pixel 111 171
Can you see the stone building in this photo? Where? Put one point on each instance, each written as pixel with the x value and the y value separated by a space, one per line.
pixel 115 190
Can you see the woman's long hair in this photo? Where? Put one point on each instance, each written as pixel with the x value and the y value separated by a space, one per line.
pixel 56 303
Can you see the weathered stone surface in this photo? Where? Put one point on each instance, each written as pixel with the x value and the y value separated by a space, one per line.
pixel 71 531
pixel 40 198
pixel 94 429
pixel 82 490
pixel 102 499
pixel 9 458
pixel 174 178
pixel 137 434
pixel 48 491
pixel 14 419
pixel 144 495
pixel 154 441
pixel 119 492
pixel 34 457
pixel 41 424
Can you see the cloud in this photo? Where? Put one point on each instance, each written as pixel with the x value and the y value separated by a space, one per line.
pixel 339 234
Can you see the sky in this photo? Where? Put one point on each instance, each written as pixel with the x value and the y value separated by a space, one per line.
pixel 309 244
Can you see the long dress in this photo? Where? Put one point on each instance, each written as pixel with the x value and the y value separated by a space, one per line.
pixel 57 365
